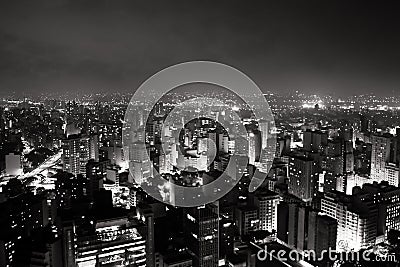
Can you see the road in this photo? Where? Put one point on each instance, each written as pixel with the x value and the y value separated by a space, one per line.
pixel 49 162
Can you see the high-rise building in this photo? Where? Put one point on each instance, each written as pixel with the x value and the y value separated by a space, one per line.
pixel 112 241
pixel 43 248
pixel 267 203
pixel 139 162
pixel 313 141
pixel 252 148
pixel 283 146
pixel 226 237
pixel 362 158
pixel 223 141
pixel 146 215
pixel 68 188
pixel 322 233
pixel 25 213
pixel 94 147
pixel 283 222
pixel 303 177
pixel 292 229
pixel 2 123
pixel 392 174
pixel 357 220
pixel 334 168
pixel 387 199
pixel 384 149
pixel 303 214
pixel 110 133
pixel 96 172
pixel 304 228
pixel 366 124
pixel 76 153
pixel 263 127
pixel 201 226
pixel 247 219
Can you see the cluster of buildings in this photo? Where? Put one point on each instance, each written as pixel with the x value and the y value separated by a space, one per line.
pixel 71 192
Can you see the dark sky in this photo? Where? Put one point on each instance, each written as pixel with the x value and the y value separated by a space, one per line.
pixel 339 47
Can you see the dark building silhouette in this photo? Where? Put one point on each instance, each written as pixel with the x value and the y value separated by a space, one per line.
pixel 201 226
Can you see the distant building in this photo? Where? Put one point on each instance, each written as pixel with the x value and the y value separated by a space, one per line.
pixel 313 141
pixel 384 149
pixel 13 164
pixel 96 172
pixel 139 162
pixel 264 128
pixel 76 153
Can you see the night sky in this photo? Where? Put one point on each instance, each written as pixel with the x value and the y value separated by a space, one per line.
pixel 335 47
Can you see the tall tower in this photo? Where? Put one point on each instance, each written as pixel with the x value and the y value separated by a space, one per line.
pixel 76 154
pixel 264 129
pixel 267 203
pixel 383 151
pixel 313 141
pixel 95 174
pixel 322 232
pixel 201 226
pixel 139 162
pixel 303 177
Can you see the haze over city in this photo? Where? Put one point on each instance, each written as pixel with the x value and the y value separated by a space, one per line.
pixel 326 47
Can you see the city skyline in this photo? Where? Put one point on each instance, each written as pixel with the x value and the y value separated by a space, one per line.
pixel 333 184
pixel 199 134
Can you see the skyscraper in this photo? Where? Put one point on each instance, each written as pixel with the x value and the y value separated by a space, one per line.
pixel 322 233
pixel 247 219
pixel 201 226
pixel 384 149
pixel 357 220
pixel 387 199
pixel 147 216
pixel 267 203
pixel 139 162
pixel 76 153
pixel 314 140
pixel 263 127
pixel 68 188
pixel 95 174
pixel 392 174
pixel 109 241
pixel 303 177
